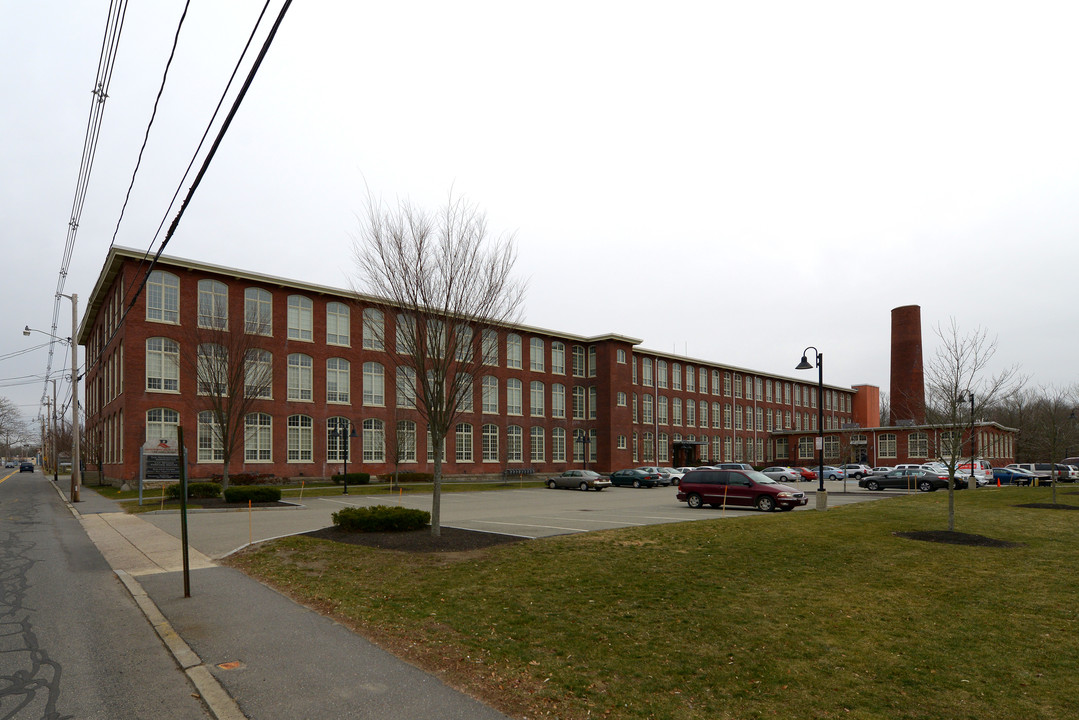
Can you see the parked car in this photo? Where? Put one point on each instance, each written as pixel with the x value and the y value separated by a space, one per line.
pixel 881 470
pixel 664 477
pixel 746 488
pixel 807 473
pixel 982 471
pixel 635 478
pixel 26 467
pixel 10 464
pixel 675 473
pixel 734 466
pixel 782 474
pixel 1012 476
pixel 1066 473
pixel 924 480
pixel 580 479
pixel 833 473
pixel 1043 471
pixel 857 470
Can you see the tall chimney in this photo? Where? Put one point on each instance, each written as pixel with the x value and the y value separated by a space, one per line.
pixel 908 381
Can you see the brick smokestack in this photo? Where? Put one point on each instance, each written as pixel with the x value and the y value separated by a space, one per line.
pixel 908 380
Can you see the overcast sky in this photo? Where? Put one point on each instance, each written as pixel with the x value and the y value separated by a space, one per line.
pixel 734 181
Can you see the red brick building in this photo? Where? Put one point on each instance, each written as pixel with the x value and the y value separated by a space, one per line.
pixel 544 390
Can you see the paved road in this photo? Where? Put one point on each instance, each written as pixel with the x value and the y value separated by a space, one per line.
pixel 73 643
pixel 534 512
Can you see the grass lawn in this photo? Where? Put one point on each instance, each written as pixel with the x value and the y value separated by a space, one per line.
pixel 791 615
pixel 152 497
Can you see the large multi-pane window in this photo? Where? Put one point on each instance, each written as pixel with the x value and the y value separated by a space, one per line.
pixel 163 297
pixel 213 305
pixel 831 447
pixel 661 410
pixel 702 379
pixel 300 318
pixel 489 395
pixel 661 374
pixel 489 443
pixel 513 351
pixel 300 438
pixel 514 400
pixel 727 416
pixel 338 430
pixel 436 338
pixel 691 379
pixel 676 376
pixel 258 311
pixel 703 415
pixel 337 380
pixel 676 411
pixel 737 385
pixel 578 361
pixel 717 421
pixel 258 374
pixel 646 372
pixel 646 410
pixel 558 445
pixel 162 364
pixel 535 399
pixel 431 448
pixel 300 377
pixel 489 347
pixel 578 403
pixel 463 442
pixel 536 451
pixel 918 445
pixel 338 318
pixel 558 358
pixel 210 447
pixel 406 387
pixel 374 440
pixel 558 400
pixel 374 384
pixel 258 437
pixel 591 361
pixel 535 355
pixel 406 333
pixel 161 425
pixel 465 402
pixel 406 441
pixel 514 444
pixel 212 370
pixel 593 403
pixel 886 445
pixel 462 343
pixel 374 329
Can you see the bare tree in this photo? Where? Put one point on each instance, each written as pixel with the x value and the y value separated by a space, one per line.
pixel 885 409
pixel 14 429
pixel 232 373
pixel 1052 427
pixel 445 287
pixel 956 373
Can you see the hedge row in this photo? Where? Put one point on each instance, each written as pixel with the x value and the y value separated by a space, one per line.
pixel 381 518
pixel 256 493
pixel 357 478
pixel 406 477
pixel 194 490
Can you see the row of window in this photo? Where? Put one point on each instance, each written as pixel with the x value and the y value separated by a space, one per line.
pixel 163 305
pixel 496 444
pixel 696 415
pixel 750 388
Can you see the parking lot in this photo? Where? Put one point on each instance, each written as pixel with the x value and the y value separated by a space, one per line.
pixel 530 513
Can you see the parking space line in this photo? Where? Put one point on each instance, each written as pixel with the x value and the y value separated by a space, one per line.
pixel 545 527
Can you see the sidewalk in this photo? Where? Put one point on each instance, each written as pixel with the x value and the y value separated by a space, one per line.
pixel 252 652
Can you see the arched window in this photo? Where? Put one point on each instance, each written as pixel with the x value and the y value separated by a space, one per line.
pixel 337 324
pixel 514 443
pixel 163 297
pixel 337 380
pixel 162 364
pixel 374 384
pixel 161 425
pixel 405 441
pixel 300 318
pixel 258 437
pixel 490 443
pixel 464 442
pixel 213 305
pixel 335 442
pixel 300 438
pixel 374 441
pixel 258 312
pixel 374 330
pixel 210 448
pixel 300 377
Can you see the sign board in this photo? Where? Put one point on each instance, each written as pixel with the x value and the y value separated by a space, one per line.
pixel 160 461
pixel 819 442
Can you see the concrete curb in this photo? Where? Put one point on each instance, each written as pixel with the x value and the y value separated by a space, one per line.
pixel 216 698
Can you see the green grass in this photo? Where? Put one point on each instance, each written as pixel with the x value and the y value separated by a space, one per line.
pixel 151 497
pixel 793 615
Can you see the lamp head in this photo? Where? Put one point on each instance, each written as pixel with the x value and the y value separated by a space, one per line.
pixel 26 331
pixel 804 365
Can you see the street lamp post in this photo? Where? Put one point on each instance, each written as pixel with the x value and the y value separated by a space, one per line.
pixel 822 494
pixel 971 482
pixel 345 435
pixel 582 437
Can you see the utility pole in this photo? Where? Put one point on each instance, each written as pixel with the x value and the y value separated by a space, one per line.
pixel 75 459
pixel 55 439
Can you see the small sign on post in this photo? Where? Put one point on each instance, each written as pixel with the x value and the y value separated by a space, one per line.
pixel 159 460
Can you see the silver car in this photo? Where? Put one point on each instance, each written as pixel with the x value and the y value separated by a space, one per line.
pixel 782 474
pixel 580 479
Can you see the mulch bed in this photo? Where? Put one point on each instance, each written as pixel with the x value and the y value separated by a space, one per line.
pixel 951 537
pixel 1050 506
pixel 219 503
pixel 421 541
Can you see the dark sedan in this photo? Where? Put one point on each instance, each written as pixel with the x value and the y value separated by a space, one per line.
pixel 26 467
pixel 924 480
pixel 635 478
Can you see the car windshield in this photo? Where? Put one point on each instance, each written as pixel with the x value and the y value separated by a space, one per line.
pixel 760 478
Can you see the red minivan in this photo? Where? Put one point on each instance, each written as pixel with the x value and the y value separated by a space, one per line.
pixel 745 488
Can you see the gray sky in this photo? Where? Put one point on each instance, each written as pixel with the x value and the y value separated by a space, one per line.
pixel 730 180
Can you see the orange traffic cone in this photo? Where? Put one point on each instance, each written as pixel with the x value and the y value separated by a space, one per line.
pixel 998 482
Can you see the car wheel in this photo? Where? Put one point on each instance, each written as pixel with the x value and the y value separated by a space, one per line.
pixel 873 485
pixel 636 483
pixel 765 503
pixel 550 484
pixel 694 501
pixel 925 486
pixel 583 486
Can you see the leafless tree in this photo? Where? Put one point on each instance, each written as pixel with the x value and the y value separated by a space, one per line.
pixel 231 371
pixel 1052 426
pixel 14 429
pixel 445 287
pixel 885 409
pixel 957 371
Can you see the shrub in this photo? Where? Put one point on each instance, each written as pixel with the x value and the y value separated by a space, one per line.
pixel 381 518
pixel 251 479
pixel 407 477
pixel 256 493
pixel 194 490
pixel 353 478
